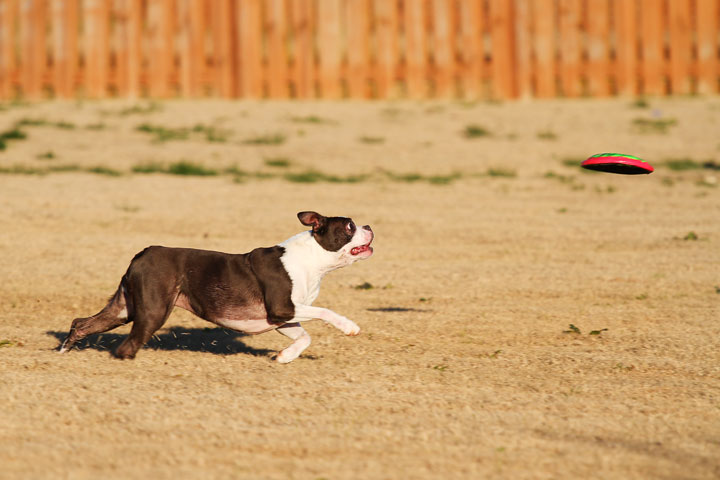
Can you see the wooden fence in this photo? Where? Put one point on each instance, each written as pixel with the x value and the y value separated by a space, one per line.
pixel 358 48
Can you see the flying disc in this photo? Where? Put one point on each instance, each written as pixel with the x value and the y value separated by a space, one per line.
pixel 617 163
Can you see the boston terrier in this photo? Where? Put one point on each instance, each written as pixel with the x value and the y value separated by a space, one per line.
pixel 266 289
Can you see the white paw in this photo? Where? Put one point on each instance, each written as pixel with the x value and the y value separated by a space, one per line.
pixel 348 327
pixel 286 356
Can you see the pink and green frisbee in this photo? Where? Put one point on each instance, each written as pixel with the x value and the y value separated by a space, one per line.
pixel 617 163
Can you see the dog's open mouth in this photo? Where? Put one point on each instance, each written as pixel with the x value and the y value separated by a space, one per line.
pixel 362 249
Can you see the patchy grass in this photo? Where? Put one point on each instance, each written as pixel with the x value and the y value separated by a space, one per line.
pixel 212 134
pixel 640 102
pixel 681 164
pixel 185 167
pixel 314 176
pixel 49 155
pixel 162 134
pixel 278 162
pixel 500 172
pixel 371 140
pixel 312 119
pixel 96 126
pixel 270 139
pixel 100 170
pixel 476 131
pixel 40 122
pixel 364 286
pixel 653 125
pixel 12 134
pixel 547 135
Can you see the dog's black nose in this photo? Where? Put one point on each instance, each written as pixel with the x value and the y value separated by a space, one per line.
pixel 367 227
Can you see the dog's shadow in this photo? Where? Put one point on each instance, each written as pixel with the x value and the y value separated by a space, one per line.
pixel 217 341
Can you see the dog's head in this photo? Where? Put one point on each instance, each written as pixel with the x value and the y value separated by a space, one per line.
pixel 340 235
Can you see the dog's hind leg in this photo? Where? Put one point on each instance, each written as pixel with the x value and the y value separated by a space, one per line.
pixel 302 341
pixel 113 315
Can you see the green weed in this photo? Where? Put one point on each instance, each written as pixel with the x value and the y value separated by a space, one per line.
pixel 640 102
pixel 372 140
pixel 12 134
pixel 547 135
pixel 691 236
pixel 681 164
pixel 312 119
pixel 277 162
pixel 100 170
pixel 364 286
pixel 476 131
pixel 501 172
pixel 648 125
pixel 161 134
pixel 572 329
pixel 314 176
pixel 150 167
pixel 49 155
pixel 185 167
pixel 270 139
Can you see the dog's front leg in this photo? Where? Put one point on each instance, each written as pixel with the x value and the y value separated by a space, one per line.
pixel 301 342
pixel 345 325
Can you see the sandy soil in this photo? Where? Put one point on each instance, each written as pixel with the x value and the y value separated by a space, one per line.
pixel 463 368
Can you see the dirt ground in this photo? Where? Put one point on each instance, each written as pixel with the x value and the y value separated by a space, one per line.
pixel 487 249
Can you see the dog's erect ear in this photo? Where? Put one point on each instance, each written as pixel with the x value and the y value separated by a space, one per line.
pixel 312 219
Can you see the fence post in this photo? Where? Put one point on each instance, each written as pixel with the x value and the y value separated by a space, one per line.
pixel 386 35
pixel 598 31
pixel 680 50
pixel 707 46
pixel 32 28
pixel 8 14
pixel 415 49
pixel 328 31
pixel 277 50
pixel 502 68
pixel 160 26
pixel 96 47
pixel 443 51
pixel 358 24
pixel 471 47
pixel 626 26
pixel 653 74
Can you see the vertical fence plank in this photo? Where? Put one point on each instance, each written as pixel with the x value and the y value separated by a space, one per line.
pixel 277 49
pixel 358 25
pixel 503 47
pixel 598 31
pixel 523 48
pixel 192 59
pixel 65 46
pixel 386 50
pixel 95 16
pixel 707 46
pixel 626 49
pixel 544 23
pixel 8 15
pixel 222 37
pixel 471 50
pixel 651 20
pixel 160 25
pixel 303 52
pixel 415 49
pixel 133 42
pixel 570 59
pixel 33 61
pixel 680 51
pixel 328 29
pixel 443 51
pixel 128 20
pixel 250 49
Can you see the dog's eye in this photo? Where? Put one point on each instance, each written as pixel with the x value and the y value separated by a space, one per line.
pixel 350 227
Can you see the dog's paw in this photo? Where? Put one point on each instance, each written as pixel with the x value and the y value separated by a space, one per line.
pixel 286 356
pixel 348 327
